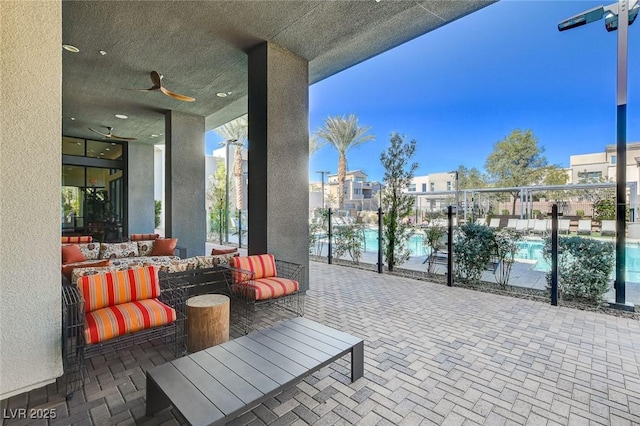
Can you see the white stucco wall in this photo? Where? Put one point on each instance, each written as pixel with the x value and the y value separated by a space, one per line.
pixel 30 129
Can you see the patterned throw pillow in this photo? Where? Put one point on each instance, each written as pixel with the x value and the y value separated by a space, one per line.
pixel 72 254
pixel 145 247
pixel 141 237
pixel 117 250
pixel 90 250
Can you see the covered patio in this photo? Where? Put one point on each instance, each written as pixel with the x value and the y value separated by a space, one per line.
pixel 433 355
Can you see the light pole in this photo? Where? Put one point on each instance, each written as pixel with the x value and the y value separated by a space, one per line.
pixel 322 173
pixel 618 16
pixel 226 185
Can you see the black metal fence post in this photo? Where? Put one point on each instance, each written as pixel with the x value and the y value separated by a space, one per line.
pixel 554 255
pixel 329 235
pixel 380 262
pixel 450 244
pixel 239 228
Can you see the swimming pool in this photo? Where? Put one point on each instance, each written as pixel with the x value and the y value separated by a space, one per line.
pixel 529 251
pixel 532 250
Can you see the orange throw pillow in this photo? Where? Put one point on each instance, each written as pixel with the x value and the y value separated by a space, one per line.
pixel 67 270
pixel 164 246
pixel 72 254
pixel 216 251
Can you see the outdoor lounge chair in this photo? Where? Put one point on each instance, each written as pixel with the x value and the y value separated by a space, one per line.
pixel 481 221
pixel 564 225
pixel 540 227
pixel 511 224
pixel 494 223
pixel 521 226
pixel 584 226
pixel 530 225
pixel 608 227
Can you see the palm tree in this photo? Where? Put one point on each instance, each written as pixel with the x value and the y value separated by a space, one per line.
pixel 343 133
pixel 236 129
pixel 314 145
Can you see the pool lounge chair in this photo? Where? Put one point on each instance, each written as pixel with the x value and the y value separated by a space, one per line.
pixel 494 223
pixel 584 226
pixel 481 221
pixel 521 226
pixel 511 224
pixel 540 227
pixel 564 225
pixel 608 227
pixel 530 225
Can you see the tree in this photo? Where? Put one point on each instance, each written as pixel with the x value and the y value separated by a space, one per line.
pixel 397 177
pixel 314 144
pixel 517 161
pixel 215 196
pixel 471 178
pixel 237 130
pixel 343 133
pixel 556 175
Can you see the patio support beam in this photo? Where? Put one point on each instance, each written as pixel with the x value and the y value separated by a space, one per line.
pixel 185 216
pixel 140 190
pixel 278 190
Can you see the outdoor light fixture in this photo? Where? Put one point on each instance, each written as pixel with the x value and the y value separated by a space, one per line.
pixel 618 16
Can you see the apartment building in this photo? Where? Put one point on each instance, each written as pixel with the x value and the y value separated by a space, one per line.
pixel 359 193
pixel 585 167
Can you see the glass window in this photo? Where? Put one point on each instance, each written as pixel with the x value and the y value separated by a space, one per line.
pixel 433 186
pixel 424 187
pixel 613 159
pixel 448 185
pixel 106 150
pixel 72 146
pixel 412 187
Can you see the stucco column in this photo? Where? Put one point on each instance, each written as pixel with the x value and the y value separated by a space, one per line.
pixel 30 171
pixel 278 192
pixel 184 181
pixel 140 200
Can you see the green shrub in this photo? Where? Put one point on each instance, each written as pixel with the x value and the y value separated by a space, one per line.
pixel 505 212
pixel 348 239
pixel 434 239
pixel 158 211
pixel 537 214
pixel 584 267
pixel 473 248
pixel 580 213
pixel 505 249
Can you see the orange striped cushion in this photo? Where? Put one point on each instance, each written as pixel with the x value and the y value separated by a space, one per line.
pixel 77 239
pixel 141 237
pixel 262 265
pixel 115 287
pixel 270 288
pixel 113 321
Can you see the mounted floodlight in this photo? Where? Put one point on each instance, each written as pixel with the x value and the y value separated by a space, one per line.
pixel 610 13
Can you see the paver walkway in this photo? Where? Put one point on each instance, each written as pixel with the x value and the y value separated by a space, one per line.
pixel 433 355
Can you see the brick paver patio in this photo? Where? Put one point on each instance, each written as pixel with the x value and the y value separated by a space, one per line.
pixel 433 355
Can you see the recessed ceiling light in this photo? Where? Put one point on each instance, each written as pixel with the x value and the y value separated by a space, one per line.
pixel 107 149
pixel 113 144
pixel 70 48
pixel 154 136
pixel 222 94
pixel 73 118
pixel 102 153
pixel 102 52
pixel 78 143
pixel 121 116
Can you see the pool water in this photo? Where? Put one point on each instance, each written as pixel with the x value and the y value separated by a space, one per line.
pixel 529 251
pixel 532 250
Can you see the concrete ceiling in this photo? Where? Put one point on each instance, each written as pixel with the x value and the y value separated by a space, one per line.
pixel 200 48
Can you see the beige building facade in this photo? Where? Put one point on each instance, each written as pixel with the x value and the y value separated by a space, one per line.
pixel 602 165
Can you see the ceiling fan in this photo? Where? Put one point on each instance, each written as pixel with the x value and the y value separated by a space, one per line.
pixel 111 135
pixel 156 79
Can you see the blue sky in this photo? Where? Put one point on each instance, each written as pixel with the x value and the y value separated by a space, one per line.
pixel 465 86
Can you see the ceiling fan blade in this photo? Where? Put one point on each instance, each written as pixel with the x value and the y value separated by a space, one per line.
pixel 151 89
pixel 122 138
pixel 156 79
pixel 177 95
pixel 100 133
